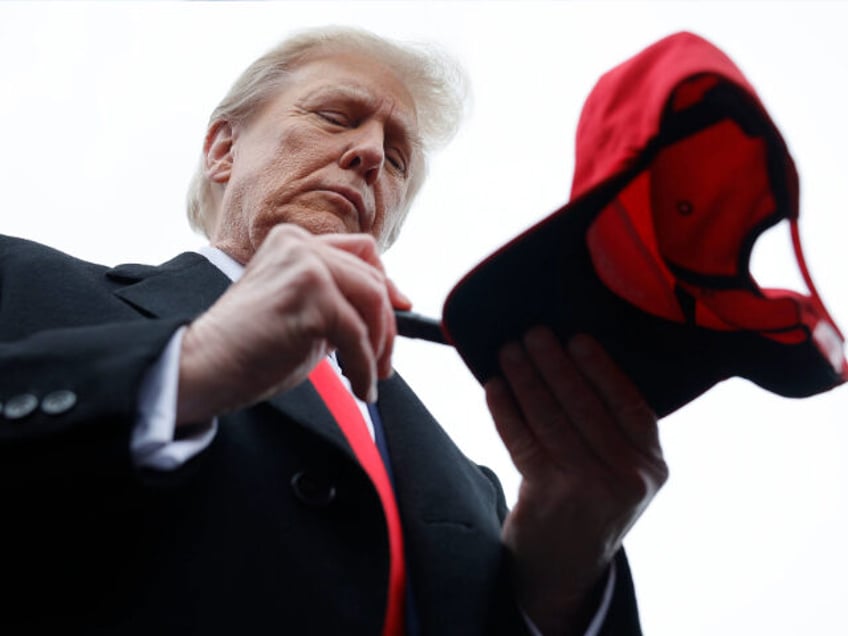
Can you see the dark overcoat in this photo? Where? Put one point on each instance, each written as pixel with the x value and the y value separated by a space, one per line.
pixel 274 529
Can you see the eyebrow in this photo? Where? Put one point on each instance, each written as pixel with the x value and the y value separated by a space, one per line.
pixel 397 123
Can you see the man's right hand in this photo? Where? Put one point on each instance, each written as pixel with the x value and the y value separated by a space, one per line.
pixel 301 296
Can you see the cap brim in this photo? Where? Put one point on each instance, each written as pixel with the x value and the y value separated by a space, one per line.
pixel 545 276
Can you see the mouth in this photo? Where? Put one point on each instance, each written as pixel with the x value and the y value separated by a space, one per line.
pixel 354 198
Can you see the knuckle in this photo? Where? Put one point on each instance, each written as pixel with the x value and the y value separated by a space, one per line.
pixel 642 484
pixel 380 276
pixel 282 243
pixel 309 278
pixel 661 473
pixel 276 236
pixel 373 281
pixel 284 231
pixel 358 332
pixel 369 251
pixel 637 488
pixel 368 242
pixel 375 295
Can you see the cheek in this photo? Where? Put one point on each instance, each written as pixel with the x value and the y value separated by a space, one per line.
pixel 267 180
pixel 390 202
pixel 298 152
pixel 294 154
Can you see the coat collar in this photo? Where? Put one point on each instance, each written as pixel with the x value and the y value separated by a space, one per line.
pixel 185 286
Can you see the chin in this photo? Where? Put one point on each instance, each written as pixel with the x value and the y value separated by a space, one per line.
pixel 314 221
pixel 324 223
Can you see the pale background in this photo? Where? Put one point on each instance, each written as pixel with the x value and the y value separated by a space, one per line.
pixel 102 114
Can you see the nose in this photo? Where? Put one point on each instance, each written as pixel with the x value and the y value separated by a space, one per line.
pixel 365 153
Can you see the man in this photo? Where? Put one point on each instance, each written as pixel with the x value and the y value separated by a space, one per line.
pixel 168 466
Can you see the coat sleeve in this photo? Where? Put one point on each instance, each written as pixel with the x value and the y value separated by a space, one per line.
pixel 70 397
pixel 72 357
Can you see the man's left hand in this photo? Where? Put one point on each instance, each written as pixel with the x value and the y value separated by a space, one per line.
pixel 587 447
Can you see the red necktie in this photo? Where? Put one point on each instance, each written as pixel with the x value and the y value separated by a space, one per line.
pixel 349 418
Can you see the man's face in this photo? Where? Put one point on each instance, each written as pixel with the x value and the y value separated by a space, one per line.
pixel 332 152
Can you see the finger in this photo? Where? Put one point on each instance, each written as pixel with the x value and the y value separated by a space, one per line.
pixel 586 412
pixel 366 288
pixel 336 297
pixel 344 293
pixel 349 335
pixel 545 417
pixel 621 397
pixel 585 398
pixel 603 418
pixel 364 247
pixel 399 299
pixel 509 422
pixel 379 317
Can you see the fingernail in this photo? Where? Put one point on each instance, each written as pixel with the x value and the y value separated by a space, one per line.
pixel 401 296
pixel 371 397
pixel 402 303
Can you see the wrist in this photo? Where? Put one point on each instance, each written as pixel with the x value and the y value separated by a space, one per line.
pixel 200 397
pixel 557 614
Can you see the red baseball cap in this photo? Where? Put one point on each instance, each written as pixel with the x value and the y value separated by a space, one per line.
pixel 679 169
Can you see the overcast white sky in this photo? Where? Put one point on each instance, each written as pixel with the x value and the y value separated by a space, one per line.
pixel 103 112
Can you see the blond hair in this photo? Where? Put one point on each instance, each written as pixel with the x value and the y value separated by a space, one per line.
pixel 436 82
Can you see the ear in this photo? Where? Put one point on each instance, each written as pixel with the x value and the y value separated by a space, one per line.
pixel 218 151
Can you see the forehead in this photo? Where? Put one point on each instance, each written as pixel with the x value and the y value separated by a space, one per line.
pixel 357 78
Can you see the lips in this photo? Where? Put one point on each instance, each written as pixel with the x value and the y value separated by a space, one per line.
pixel 355 199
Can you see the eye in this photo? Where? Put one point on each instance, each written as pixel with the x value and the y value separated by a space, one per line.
pixel 334 117
pixel 396 160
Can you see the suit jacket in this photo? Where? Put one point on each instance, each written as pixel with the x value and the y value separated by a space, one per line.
pixel 274 529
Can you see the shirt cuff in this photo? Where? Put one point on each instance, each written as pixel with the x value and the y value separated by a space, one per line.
pixel 600 615
pixel 606 600
pixel 152 443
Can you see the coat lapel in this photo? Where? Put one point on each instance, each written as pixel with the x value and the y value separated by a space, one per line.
pixel 448 508
pixel 183 287
pixel 188 285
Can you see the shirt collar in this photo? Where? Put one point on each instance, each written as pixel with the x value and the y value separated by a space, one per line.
pixel 223 261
